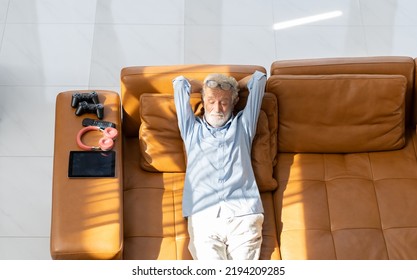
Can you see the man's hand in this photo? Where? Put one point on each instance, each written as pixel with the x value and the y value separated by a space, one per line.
pixel 243 83
pixel 196 85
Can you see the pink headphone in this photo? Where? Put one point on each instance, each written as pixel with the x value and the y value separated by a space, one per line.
pixel 104 144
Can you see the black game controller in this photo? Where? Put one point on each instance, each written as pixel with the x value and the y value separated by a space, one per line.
pixel 85 107
pixel 90 97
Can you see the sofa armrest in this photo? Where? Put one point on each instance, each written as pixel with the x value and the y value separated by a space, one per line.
pixel 87 213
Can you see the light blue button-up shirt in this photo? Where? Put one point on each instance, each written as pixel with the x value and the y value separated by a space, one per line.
pixel 219 179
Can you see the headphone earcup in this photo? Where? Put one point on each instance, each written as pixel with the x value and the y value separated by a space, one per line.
pixel 106 143
pixel 110 132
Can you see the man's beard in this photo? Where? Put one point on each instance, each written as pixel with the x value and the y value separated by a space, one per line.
pixel 217 119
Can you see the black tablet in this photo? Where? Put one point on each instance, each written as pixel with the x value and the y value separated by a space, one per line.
pixel 84 164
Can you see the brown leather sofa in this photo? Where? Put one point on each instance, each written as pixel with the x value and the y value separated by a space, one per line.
pixel 334 156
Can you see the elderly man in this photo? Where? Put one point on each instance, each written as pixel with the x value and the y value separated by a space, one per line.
pixel 221 199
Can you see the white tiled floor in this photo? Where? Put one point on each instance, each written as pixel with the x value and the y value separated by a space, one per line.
pixel 48 46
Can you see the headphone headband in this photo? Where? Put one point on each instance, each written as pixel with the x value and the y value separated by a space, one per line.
pixel 104 144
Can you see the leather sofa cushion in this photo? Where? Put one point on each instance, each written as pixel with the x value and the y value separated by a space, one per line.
pixel 159 136
pixel 162 148
pixel 340 113
pixel 348 206
pixel 262 158
pixel 376 65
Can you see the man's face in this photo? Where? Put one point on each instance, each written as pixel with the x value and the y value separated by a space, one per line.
pixel 218 106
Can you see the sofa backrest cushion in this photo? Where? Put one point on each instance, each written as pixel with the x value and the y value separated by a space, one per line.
pixel 382 65
pixel 162 147
pixel 159 137
pixel 340 113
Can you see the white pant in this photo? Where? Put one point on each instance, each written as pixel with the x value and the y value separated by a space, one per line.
pixel 236 238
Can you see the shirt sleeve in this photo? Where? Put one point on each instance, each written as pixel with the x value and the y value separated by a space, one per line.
pixel 183 108
pixel 256 87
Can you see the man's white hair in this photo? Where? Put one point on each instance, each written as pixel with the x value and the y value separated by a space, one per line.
pixel 221 78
